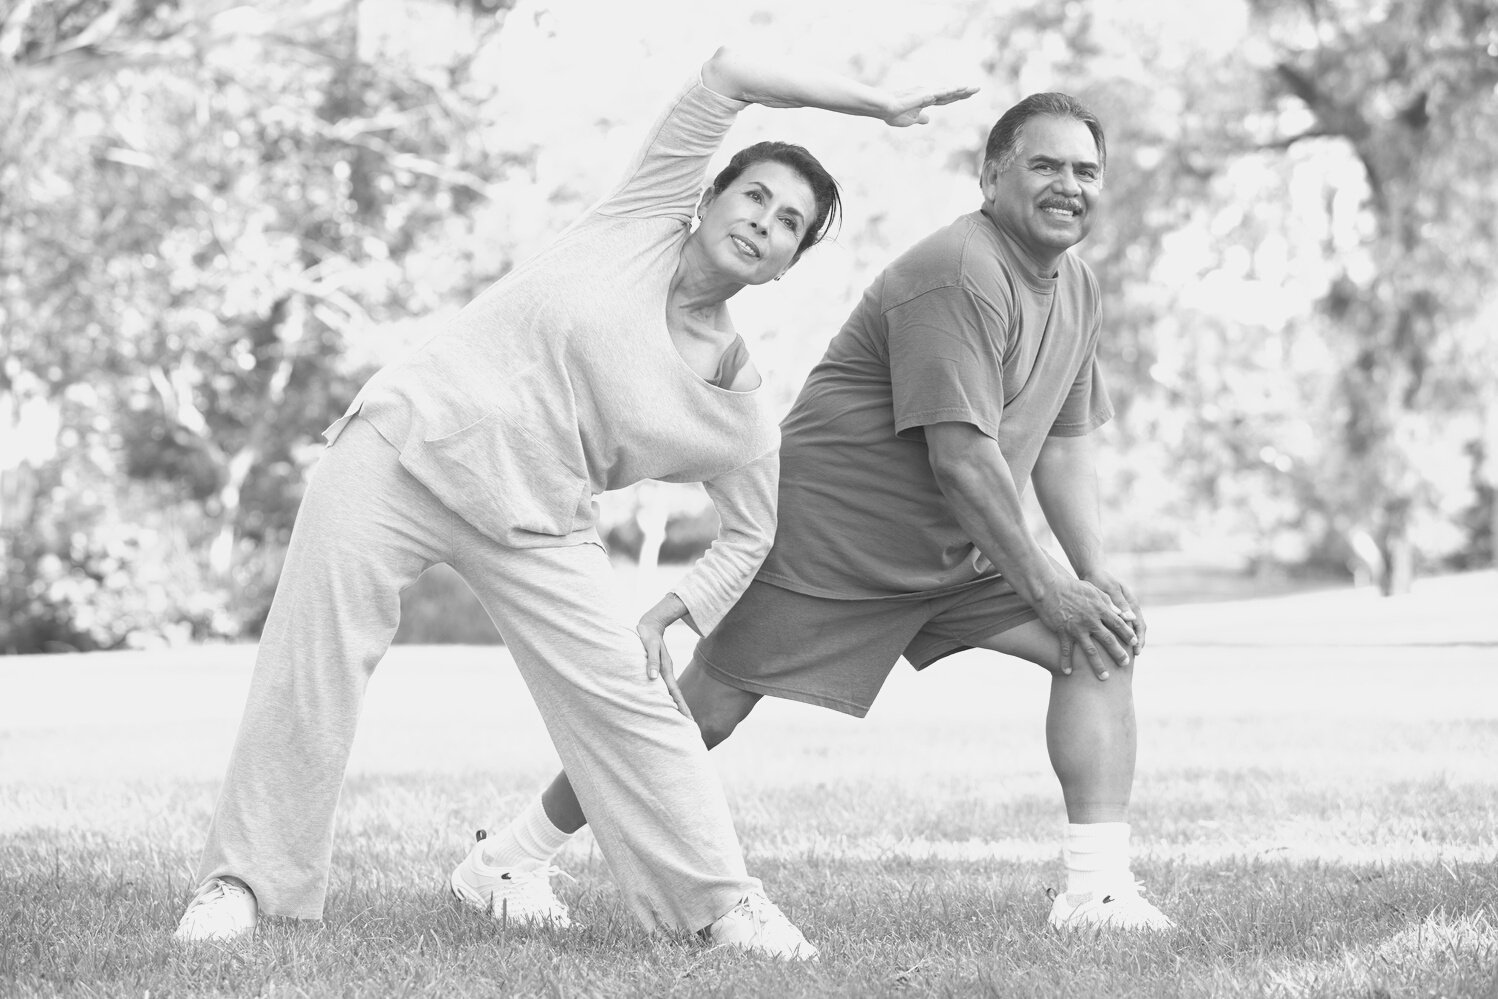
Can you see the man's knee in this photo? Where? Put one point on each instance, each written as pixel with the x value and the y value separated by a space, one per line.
pixel 717 707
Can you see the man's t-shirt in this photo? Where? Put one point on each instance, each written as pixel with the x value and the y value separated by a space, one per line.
pixel 956 329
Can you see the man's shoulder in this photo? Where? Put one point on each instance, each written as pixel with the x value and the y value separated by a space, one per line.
pixel 1075 276
pixel 960 255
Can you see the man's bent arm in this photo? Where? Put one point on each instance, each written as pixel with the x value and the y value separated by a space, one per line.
pixel 1065 479
pixel 975 479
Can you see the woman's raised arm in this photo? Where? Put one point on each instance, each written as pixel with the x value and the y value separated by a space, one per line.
pixel 749 76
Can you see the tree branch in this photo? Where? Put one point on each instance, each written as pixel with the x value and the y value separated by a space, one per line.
pixel 1280 145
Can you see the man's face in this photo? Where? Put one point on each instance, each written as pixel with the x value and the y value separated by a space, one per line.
pixel 1046 196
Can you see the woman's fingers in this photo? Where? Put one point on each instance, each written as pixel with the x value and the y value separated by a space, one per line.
pixel 658 665
pixel 668 673
pixel 953 95
pixel 913 104
pixel 655 647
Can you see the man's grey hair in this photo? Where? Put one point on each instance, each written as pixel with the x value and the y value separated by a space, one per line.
pixel 1003 140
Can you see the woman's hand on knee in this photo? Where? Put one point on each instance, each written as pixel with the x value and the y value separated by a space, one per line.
pixel 652 633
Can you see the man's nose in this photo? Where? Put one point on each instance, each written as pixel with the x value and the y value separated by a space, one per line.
pixel 1066 180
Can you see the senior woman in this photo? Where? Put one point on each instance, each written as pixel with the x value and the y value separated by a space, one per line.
pixel 606 359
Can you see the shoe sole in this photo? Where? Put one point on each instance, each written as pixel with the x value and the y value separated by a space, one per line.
pixel 466 894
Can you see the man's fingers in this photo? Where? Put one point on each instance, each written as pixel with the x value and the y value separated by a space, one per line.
pixel 1095 659
pixel 1135 617
pixel 1065 656
pixel 1120 626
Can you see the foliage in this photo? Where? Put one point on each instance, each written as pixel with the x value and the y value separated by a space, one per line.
pixel 201 206
pixel 216 219
pixel 1412 90
pixel 1298 244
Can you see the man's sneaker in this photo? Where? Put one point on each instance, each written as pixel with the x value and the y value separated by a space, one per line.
pixel 222 909
pixel 1123 909
pixel 518 894
pixel 756 925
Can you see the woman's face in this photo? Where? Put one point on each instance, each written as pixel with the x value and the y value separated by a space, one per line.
pixel 751 229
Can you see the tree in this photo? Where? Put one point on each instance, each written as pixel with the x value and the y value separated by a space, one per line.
pixel 201 204
pixel 1410 89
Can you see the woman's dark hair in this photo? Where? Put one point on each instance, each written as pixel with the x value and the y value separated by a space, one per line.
pixel 823 188
pixel 1003 141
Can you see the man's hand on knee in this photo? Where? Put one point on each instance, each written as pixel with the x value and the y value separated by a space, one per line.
pixel 1083 616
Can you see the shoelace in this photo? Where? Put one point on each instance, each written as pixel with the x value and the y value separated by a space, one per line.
pixel 763 912
pixel 212 892
pixel 219 888
pixel 532 888
pixel 1138 892
pixel 541 877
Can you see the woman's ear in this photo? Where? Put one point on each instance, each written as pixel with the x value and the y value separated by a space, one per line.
pixel 708 196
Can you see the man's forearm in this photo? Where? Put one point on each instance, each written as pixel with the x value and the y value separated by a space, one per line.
pixel 1065 480
pixel 975 479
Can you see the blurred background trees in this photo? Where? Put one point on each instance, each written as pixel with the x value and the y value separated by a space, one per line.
pixel 216 220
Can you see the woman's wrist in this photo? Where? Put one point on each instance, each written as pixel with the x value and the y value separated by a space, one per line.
pixel 668 609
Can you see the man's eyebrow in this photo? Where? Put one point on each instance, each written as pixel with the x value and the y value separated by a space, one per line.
pixel 1054 161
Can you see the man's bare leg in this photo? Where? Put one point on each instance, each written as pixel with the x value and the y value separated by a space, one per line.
pixel 1090 730
pixel 509 874
pixel 717 709
pixel 1092 739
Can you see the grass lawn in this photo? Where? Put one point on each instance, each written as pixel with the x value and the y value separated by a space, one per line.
pixel 1317 805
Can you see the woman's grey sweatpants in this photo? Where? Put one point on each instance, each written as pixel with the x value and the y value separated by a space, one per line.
pixel 365 530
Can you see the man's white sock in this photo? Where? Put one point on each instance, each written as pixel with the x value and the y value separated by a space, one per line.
pixel 1097 856
pixel 531 836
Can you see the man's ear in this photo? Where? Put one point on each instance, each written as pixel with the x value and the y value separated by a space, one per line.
pixel 988 179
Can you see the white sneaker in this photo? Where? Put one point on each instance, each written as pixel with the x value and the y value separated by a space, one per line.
pixel 518 894
pixel 756 925
pixel 1123 909
pixel 221 909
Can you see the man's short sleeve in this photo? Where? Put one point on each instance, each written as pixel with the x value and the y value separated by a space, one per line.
pixel 1087 405
pixel 946 362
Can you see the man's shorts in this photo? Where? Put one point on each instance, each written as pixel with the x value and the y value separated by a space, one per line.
pixel 837 653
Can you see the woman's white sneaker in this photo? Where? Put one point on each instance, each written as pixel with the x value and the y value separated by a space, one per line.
pixel 221 909
pixel 518 894
pixel 1123 909
pixel 758 926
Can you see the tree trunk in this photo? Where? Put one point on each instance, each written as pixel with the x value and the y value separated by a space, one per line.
pixel 1398 550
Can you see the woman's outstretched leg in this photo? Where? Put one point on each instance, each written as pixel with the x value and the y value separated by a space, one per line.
pixel 365 530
